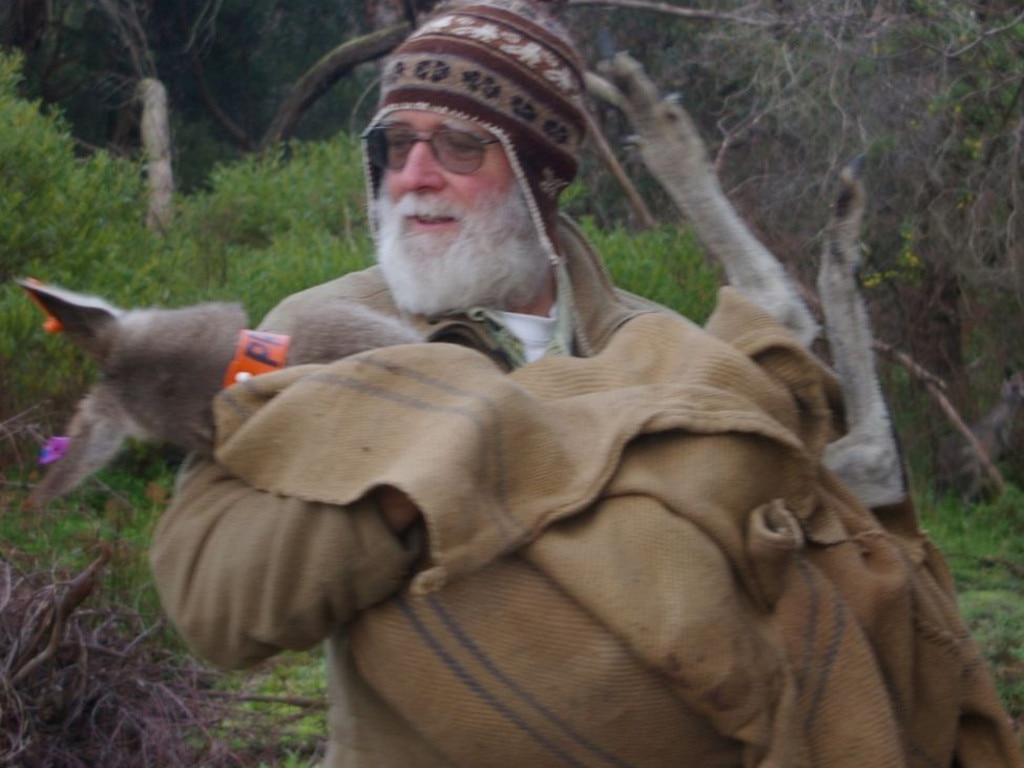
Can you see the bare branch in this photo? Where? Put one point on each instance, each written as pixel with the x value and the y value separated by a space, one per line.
pixel 78 589
pixel 985 34
pixel 236 131
pixel 156 139
pixel 936 388
pixel 132 33
pixel 686 13
pixel 292 701
pixel 325 73
pixel 205 25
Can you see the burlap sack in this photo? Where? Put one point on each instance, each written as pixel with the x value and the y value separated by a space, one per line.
pixel 635 558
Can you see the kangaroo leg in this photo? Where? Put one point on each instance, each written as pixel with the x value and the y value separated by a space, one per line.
pixel 674 152
pixel 867 458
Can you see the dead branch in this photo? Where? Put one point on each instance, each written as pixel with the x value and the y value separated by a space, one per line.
pixel 696 14
pixel 132 33
pixel 984 35
pixel 58 610
pixel 94 687
pixel 641 212
pixel 936 388
pixel 156 141
pixel 325 73
pixel 1002 562
pixel 291 701
pixel 222 117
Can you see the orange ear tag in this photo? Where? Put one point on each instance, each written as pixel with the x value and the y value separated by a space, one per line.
pixel 51 324
pixel 257 352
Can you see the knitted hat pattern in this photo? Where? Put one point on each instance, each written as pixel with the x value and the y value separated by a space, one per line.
pixel 510 67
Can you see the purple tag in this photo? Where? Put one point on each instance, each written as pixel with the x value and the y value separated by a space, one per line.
pixel 55 448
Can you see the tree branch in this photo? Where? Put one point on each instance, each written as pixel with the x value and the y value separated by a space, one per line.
pixel 325 73
pixel 236 131
pixel 675 10
pixel 936 387
pixel 603 90
pixel 156 139
pixel 984 35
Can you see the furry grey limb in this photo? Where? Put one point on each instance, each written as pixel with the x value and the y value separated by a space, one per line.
pixel 867 458
pixel 673 150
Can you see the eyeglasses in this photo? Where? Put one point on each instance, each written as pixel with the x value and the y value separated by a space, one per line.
pixel 388 147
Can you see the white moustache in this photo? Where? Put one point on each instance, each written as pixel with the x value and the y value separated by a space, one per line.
pixel 427 207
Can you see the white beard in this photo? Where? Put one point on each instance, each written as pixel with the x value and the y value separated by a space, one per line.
pixel 495 261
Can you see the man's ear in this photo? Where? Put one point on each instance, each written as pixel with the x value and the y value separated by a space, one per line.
pixel 90 322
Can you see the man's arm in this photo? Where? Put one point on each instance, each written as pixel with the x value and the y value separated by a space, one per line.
pixel 244 574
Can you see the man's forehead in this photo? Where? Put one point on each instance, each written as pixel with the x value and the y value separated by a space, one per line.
pixel 423 119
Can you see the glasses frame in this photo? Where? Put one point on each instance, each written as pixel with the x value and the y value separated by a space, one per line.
pixel 378 150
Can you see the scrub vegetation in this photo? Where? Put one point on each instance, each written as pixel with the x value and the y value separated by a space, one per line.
pixel 91 672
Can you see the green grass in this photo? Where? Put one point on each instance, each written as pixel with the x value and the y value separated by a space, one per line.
pixel 985 549
pixel 115 511
pixel 290 690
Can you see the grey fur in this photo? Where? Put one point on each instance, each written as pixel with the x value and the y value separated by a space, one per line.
pixel 867 458
pixel 161 369
pixel 673 150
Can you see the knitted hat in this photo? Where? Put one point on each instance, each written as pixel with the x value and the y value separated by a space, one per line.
pixel 511 68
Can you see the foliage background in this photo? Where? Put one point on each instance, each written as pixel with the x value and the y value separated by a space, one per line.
pixel 785 94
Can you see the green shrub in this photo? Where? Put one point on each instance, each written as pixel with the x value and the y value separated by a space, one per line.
pixel 72 216
pixel 66 219
pixel 666 265
pixel 269 226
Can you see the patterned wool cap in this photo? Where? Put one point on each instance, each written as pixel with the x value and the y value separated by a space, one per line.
pixel 509 66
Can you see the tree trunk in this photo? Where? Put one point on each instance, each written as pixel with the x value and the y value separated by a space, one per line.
pixel 156 139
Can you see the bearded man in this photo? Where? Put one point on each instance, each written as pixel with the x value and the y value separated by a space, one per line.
pixel 574 528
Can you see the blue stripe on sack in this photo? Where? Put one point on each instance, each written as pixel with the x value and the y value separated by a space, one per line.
pixel 803 674
pixel 474 685
pixel 477 653
pixel 823 666
pixel 838 632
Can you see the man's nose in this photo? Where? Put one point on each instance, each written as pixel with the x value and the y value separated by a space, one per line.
pixel 421 171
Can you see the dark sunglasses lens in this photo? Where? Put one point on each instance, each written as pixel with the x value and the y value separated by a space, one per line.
pixel 377 147
pixel 458 151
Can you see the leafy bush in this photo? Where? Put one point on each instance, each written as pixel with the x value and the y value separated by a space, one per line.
pixel 73 221
pixel 61 213
pixel 269 226
pixel 666 265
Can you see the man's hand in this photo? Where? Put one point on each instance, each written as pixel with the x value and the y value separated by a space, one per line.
pixel 396 508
